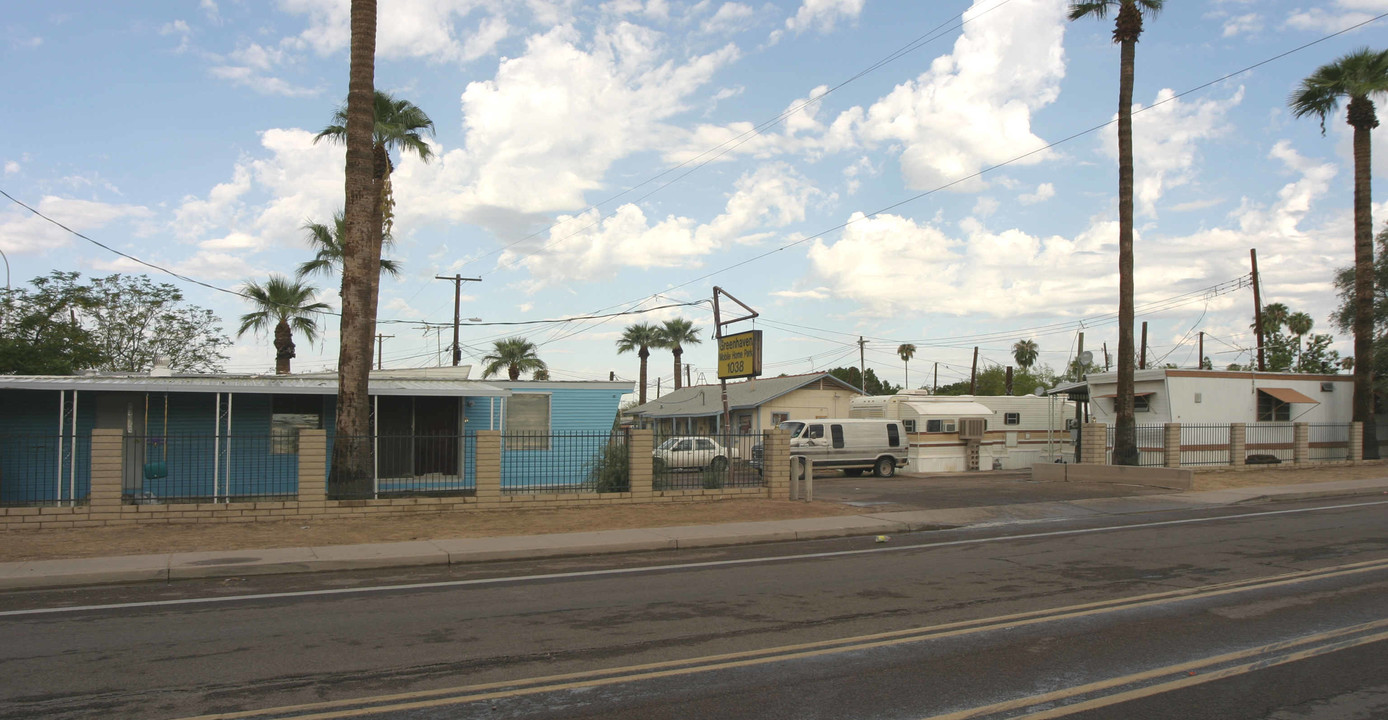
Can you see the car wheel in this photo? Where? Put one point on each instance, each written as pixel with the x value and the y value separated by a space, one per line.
pixel 719 464
pixel 886 467
pixel 853 472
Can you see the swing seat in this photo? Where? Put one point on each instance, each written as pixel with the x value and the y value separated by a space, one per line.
pixel 156 470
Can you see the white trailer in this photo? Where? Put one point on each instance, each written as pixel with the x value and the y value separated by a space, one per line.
pixel 1017 431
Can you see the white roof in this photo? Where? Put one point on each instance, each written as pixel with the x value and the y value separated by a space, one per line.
pixel 285 384
pixel 947 408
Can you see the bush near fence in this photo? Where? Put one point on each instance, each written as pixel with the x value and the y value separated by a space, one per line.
pixel 610 469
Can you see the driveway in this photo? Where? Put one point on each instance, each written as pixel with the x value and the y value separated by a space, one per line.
pixel 928 491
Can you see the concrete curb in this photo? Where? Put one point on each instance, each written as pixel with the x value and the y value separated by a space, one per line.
pixel 176 566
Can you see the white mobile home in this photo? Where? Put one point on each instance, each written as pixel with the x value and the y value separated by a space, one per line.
pixel 967 432
pixel 1225 396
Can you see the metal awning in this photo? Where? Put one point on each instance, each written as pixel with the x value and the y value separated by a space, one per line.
pixel 1136 394
pixel 948 409
pixel 1288 395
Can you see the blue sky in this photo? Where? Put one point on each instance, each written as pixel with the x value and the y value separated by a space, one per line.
pixel 605 157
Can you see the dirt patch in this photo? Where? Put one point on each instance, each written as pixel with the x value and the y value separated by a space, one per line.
pixel 19 545
pixel 1286 475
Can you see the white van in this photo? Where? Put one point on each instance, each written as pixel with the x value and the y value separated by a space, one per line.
pixel 852 445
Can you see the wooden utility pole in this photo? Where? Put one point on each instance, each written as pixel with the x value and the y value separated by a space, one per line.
pixel 1009 379
pixel 862 365
pixel 687 381
pixel 1142 364
pixel 1106 365
pixel 1200 361
pixel 1079 350
pixel 935 386
pixel 380 344
pixel 1257 309
pixel 973 373
pixel 457 281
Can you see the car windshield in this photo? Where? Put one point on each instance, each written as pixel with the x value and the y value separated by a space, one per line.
pixel 668 444
pixel 793 426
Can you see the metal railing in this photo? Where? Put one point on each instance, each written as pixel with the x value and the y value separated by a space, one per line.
pixel 1150 445
pixel 1329 441
pixel 708 462
pixel 194 468
pixel 37 470
pixel 1263 440
pixel 1205 444
pixel 576 461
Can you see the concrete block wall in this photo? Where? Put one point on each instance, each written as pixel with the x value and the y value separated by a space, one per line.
pixel 1094 443
pixel 1238 444
pixel 1171 445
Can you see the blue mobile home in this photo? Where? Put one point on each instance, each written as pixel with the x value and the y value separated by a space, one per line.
pixel 232 437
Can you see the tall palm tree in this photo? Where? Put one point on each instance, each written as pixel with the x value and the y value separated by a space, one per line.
pixel 1298 324
pixel 1127 28
pixel 906 351
pixel 674 335
pixel 326 242
pixel 1274 317
pixel 1357 76
pixel 352 467
pixel 640 338
pixel 517 355
pixel 1025 353
pixel 287 306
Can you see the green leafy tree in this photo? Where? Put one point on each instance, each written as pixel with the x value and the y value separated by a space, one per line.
pixel 1025 353
pixel 906 351
pixel 640 338
pixel 117 323
pixel 872 386
pixel 674 335
pixel 283 306
pixel 1359 76
pixel 992 380
pixel 1343 318
pixel 515 355
pixel 326 242
pixel 1126 31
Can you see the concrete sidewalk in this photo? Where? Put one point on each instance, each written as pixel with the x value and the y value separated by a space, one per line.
pixel 164 567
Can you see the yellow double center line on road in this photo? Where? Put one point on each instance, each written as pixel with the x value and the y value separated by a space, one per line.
pixel 360 707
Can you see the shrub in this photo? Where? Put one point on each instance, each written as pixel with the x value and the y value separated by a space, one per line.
pixel 609 472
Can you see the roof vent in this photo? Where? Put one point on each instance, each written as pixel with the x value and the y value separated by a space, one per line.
pixel 160 367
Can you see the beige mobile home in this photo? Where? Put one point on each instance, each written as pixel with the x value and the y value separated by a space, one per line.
pixel 967 432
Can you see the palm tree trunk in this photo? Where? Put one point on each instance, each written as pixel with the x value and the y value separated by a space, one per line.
pixel 284 347
pixel 1363 274
pixel 907 381
pixel 351 463
pixel 1125 430
pixel 678 351
pixel 643 354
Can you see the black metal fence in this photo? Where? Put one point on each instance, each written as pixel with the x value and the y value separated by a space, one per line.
pixel 1150 445
pixel 1204 444
pixel 577 461
pixel 411 466
pixel 708 462
pixel 37 470
pixel 1329 441
pixel 1264 441
pixel 209 468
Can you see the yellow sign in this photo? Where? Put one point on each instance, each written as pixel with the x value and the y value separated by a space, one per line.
pixel 739 355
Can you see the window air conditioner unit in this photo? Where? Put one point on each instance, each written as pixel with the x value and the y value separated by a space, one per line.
pixel 971 428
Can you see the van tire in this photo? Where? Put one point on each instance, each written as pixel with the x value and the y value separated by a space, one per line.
pixel 885 467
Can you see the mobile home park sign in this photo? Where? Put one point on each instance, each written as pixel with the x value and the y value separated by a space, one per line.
pixel 739 355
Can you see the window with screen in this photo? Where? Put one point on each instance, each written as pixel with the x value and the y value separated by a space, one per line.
pixel 1011 418
pixel 1270 409
pixel 1142 403
pixel 527 421
pixel 288 415
pixel 910 425
pixel 934 426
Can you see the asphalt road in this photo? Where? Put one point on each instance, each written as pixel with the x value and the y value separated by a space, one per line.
pixel 1264 612
pixel 933 491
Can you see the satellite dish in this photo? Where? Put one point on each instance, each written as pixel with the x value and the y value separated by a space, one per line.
pixel 1086 357
pixel 1039 391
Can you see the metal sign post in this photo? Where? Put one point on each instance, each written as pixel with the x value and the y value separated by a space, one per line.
pixel 742 351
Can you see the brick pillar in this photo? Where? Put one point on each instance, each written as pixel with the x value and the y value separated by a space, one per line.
pixel 1094 443
pixel 1356 441
pixel 487 464
pixel 775 463
pixel 1238 443
pixel 1171 445
pixel 108 447
pixel 640 468
pixel 1301 443
pixel 313 467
